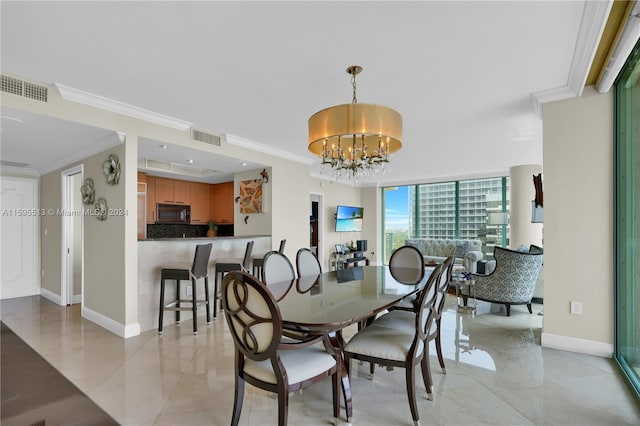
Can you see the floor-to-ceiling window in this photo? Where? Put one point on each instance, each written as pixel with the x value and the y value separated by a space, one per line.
pixel 458 209
pixel 627 211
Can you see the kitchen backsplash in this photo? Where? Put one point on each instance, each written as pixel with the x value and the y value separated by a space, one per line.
pixel 184 231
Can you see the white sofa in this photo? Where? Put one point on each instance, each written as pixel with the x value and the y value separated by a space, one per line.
pixel 465 252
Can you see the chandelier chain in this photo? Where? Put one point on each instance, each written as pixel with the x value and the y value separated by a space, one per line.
pixel 353 83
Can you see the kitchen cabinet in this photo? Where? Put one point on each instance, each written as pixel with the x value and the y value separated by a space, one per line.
pixel 199 203
pixel 151 199
pixel 221 202
pixel 181 192
pixel 173 191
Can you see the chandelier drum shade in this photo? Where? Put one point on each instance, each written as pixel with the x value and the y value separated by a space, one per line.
pixel 355 138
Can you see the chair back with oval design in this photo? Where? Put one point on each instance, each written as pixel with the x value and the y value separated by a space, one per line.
pixel 252 315
pixel 406 265
pixel 307 263
pixel 428 296
pixel 277 268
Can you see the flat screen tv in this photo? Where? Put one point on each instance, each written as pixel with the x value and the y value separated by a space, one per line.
pixel 349 219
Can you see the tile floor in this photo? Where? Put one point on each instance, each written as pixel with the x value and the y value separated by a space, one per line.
pixel 497 374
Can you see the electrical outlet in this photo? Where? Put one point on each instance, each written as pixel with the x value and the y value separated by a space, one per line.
pixel 188 291
pixel 575 307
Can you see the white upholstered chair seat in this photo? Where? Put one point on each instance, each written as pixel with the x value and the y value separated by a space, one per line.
pixel 408 303
pixel 388 337
pixel 300 365
pixel 400 320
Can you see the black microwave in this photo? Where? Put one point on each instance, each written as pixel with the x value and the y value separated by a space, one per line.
pixel 170 213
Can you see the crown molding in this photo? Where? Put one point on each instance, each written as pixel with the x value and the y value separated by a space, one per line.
pixel 19 171
pixel 594 20
pixel 551 95
pixel 276 152
pixel 90 99
pixel 92 149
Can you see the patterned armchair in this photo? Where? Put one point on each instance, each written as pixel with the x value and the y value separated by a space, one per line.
pixel 513 280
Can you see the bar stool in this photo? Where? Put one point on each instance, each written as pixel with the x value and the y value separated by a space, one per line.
pixel 227 265
pixel 258 262
pixel 185 271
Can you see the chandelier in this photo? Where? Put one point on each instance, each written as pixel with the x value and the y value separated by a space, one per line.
pixel 355 140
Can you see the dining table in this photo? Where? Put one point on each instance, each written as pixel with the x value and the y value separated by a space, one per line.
pixel 325 304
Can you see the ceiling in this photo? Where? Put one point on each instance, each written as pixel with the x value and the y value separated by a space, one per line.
pixel 462 74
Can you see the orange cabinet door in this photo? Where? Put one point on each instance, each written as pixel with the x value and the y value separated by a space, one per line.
pixel 181 192
pixel 199 203
pixel 221 202
pixel 151 199
pixel 164 190
pixel 228 202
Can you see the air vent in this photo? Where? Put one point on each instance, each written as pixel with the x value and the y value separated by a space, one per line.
pixel 158 165
pixel 13 164
pixel 165 166
pixel 200 136
pixel 24 88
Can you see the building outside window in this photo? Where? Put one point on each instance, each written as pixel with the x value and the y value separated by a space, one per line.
pixel 446 210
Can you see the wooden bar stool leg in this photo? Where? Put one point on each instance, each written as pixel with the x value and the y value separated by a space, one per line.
pixel 215 296
pixel 178 301
pixel 206 298
pixel 194 306
pixel 161 312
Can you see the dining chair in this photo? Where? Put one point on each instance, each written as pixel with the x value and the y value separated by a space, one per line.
pixel 228 265
pixel 438 306
pixel 279 276
pixel 277 268
pixel 307 263
pixel 398 339
pixel 258 261
pixel 262 358
pixel 406 265
pixel 180 271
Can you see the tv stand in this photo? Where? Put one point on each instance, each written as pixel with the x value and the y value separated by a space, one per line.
pixel 344 261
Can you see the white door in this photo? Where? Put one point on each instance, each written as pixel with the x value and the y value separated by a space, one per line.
pixel 20 243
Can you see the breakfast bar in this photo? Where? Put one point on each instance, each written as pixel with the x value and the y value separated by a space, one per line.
pixel 154 253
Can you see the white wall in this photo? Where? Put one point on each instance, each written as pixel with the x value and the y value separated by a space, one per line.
pixel 578 223
pixel 257 223
pixel 339 193
pixel 522 193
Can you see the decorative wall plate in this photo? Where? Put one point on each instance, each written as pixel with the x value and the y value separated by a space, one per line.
pixel 102 211
pixel 88 192
pixel 111 169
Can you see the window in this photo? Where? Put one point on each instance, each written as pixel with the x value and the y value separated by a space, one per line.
pixel 627 220
pixel 456 209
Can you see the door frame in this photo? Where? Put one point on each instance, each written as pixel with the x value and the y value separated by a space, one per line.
pixel 66 240
pixel 320 200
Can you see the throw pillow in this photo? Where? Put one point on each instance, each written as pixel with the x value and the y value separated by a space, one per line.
pixel 462 247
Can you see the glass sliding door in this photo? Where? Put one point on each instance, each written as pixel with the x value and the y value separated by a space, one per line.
pixel 627 220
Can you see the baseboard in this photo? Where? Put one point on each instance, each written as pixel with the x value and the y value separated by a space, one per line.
pixel 573 344
pixel 77 298
pixel 49 295
pixel 115 327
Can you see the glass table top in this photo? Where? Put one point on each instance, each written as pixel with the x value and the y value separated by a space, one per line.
pixel 336 299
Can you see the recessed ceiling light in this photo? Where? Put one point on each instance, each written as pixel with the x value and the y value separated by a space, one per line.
pixel 163 147
pixel 244 164
pixel 190 161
